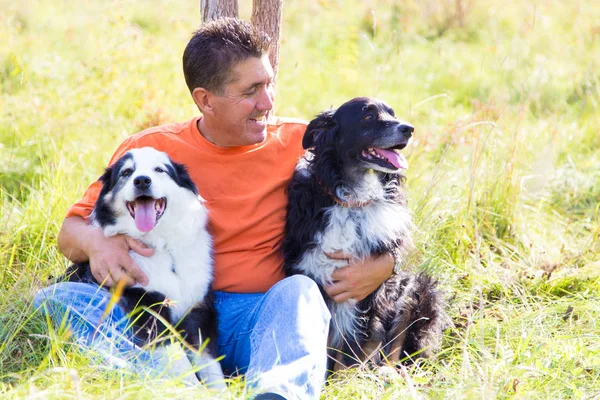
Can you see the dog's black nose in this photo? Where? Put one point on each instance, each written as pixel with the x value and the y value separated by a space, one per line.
pixel 142 182
pixel 406 130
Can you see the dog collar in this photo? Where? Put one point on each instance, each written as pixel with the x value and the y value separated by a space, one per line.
pixel 350 203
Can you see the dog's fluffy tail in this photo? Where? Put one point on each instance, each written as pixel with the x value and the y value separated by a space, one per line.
pixel 427 319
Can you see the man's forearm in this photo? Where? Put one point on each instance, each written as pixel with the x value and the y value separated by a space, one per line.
pixel 74 238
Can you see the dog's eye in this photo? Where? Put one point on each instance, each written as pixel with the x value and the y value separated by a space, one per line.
pixel 126 172
pixel 159 170
pixel 367 117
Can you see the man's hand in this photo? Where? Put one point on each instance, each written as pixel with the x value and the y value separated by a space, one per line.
pixel 360 278
pixel 108 257
pixel 110 261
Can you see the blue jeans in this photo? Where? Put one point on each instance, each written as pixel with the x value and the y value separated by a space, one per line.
pixel 278 338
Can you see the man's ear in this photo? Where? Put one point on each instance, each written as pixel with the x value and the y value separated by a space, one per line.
pixel 202 98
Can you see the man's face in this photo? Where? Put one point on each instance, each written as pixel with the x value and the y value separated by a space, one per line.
pixel 241 111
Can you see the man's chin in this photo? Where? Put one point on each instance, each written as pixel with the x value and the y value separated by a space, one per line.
pixel 256 136
pixel 259 138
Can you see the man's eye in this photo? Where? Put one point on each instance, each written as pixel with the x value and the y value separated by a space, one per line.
pixel 159 170
pixel 126 172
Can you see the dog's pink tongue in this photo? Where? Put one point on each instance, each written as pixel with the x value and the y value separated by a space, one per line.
pixel 398 160
pixel 145 216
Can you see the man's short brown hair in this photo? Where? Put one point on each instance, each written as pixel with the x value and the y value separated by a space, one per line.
pixel 216 48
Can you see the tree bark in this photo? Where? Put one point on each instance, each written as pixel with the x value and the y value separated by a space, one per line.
pixel 214 9
pixel 266 16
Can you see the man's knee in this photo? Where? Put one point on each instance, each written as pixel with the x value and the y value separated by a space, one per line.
pixel 300 283
pixel 67 292
pixel 300 289
pixel 48 293
pixel 295 287
pixel 86 301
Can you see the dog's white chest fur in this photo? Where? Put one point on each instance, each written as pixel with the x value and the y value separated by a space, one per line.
pixel 357 232
pixel 183 275
pixel 182 269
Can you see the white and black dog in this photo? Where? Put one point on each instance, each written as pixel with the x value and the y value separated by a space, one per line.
pixel 147 196
pixel 347 194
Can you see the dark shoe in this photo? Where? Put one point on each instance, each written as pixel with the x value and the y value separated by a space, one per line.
pixel 269 396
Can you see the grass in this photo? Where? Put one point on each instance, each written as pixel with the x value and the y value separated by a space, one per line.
pixel 504 179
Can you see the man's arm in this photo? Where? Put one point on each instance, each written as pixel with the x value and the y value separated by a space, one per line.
pixel 360 278
pixel 109 257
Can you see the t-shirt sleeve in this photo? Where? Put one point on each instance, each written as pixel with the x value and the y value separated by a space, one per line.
pixel 83 208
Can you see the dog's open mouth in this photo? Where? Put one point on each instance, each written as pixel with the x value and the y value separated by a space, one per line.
pixel 146 211
pixel 387 158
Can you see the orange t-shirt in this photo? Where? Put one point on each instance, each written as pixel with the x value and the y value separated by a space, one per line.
pixel 244 188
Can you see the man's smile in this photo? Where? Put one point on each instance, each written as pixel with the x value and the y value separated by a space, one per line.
pixel 261 119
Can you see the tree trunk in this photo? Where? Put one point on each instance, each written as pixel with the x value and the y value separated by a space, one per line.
pixel 266 16
pixel 213 9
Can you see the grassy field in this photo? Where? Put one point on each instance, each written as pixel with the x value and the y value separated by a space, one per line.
pixel 504 179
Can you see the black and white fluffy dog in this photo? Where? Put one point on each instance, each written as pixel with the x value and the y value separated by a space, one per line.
pixel 347 194
pixel 149 197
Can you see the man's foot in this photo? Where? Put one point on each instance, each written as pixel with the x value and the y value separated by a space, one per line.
pixel 269 396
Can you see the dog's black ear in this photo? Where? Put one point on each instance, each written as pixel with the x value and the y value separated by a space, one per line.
pixel 181 177
pixel 106 177
pixel 103 213
pixel 323 122
pixel 111 174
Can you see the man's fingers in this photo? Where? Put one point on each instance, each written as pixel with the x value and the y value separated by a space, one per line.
pixel 135 272
pixel 344 296
pixel 108 282
pixel 102 276
pixel 117 274
pixel 334 289
pixel 105 280
pixel 339 255
pixel 139 247
pixel 339 274
pixel 110 261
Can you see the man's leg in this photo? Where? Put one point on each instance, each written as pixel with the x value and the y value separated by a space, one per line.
pixel 278 339
pixel 82 307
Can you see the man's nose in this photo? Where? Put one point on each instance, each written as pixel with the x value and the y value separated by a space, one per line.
pixel 265 100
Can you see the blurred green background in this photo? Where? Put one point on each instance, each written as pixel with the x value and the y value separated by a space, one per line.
pixel 504 175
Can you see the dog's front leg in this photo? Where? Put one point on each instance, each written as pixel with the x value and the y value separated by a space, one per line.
pixel 210 371
pixel 177 364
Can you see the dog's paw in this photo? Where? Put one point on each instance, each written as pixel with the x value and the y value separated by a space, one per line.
pixel 387 373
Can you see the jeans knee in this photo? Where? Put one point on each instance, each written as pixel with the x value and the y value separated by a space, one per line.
pixel 46 293
pixel 66 292
pixel 295 286
pixel 296 289
pixel 84 306
pixel 301 283
pixel 84 298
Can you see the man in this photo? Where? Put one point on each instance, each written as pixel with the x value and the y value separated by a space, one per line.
pixel 271 327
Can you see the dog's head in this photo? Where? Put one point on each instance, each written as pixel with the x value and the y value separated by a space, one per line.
pixel 141 188
pixel 362 134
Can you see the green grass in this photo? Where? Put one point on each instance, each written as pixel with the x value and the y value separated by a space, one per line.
pixel 504 179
